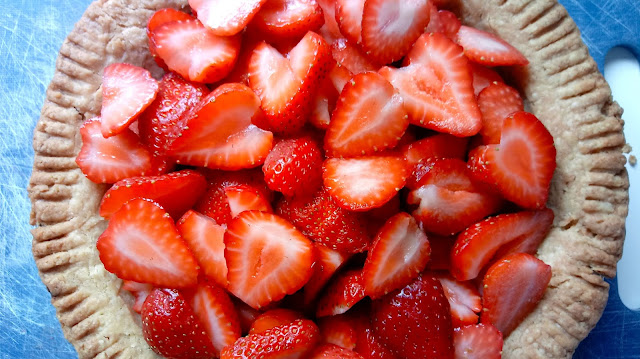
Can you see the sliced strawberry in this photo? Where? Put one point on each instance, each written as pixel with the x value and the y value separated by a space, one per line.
pixel 386 211
pixel 294 341
pixel 448 199
pixel 324 103
pixel 464 300
pixel 328 261
pixel 437 87
pixel 513 286
pixel 440 145
pixel 246 198
pixel 171 328
pixel 140 292
pixel 176 192
pixel 339 330
pixel 342 293
pixel 109 160
pixel 332 351
pixel 369 117
pixel 367 343
pixel 194 51
pixel 330 30
pixel 445 22
pixel 398 254
pixel 479 243
pixel 219 132
pixel 126 91
pixel 225 18
pixel 215 310
pixel 339 76
pixel 162 17
pixel 483 77
pixel 294 167
pixel 286 19
pixel 273 318
pixel 349 18
pixel 358 184
pixel 480 341
pixel 246 314
pixel 323 221
pixel 390 27
pixel 351 57
pixel 440 252
pixel 496 102
pixel 267 258
pixel 522 165
pixel 415 322
pixel 488 49
pixel 205 238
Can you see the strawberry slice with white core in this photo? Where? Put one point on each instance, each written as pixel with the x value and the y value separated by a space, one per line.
pixel 480 341
pixel 351 57
pixel 126 91
pixel 162 17
pixel 349 18
pixel 109 160
pixel 512 288
pixel 342 293
pixel 464 299
pixel 478 244
pixel 390 27
pixel 363 183
pixel 205 238
pixel 223 17
pixel 140 291
pixel 488 49
pixel 194 51
pixel 246 198
pixel 288 19
pixel 496 102
pixel 330 30
pixel 328 261
pixel 398 254
pixel 142 244
pixel 369 117
pixel 220 134
pixel 267 258
pixel 440 145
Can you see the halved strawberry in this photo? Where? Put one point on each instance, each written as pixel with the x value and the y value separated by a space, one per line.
pixel 351 57
pixel 488 49
pixel 219 132
pixel 286 19
pixel 369 117
pixel 359 184
pixel 437 87
pixel 162 17
pixel 109 160
pixel 483 77
pixel 324 102
pixel 226 18
pixel 171 328
pixel 440 145
pixel 140 292
pixel 445 22
pixel 496 102
pixel 267 258
pixel 213 307
pixel 332 351
pixel 246 198
pixel 205 238
pixel 522 165
pixel 126 91
pixel 328 261
pixel 273 318
pixel 464 299
pixel 390 27
pixel 330 30
pixel 339 330
pixel 294 341
pixel 440 252
pixel 480 341
pixel 513 286
pixel 194 51
pixel 294 167
pixel 341 294
pixel 478 244
pixel 367 343
pixel 398 254
pixel 349 18
pixel 176 192
pixel 339 76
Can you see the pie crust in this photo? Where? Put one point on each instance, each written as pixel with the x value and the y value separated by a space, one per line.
pixel 562 86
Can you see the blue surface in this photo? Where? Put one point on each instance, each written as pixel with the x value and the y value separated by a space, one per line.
pixel 31 32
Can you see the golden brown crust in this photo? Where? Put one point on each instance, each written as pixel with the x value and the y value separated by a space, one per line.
pixel 562 87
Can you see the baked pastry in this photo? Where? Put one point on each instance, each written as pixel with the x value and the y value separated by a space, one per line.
pixel 561 85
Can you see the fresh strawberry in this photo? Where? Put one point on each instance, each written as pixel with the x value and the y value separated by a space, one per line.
pixel 294 167
pixel 109 160
pixel 162 17
pixel 140 292
pixel 328 261
pixel 219 132
pixel 330 30
pixel 176 192
pixel 369 117
pixel 286 19
pixel 341 294
pixel 339 330
pixel 440 145
pixel 195 52
pixel 440 252
pixel 323 221
pixel 448 199
pixel 496 102
pixel 445 22
pixel 367 343
pixel 478 244
pixel 358 184
pixel 324 103
pixel 390 27
pixel 386 211
pixel 415 322
pixel 480 341
pixel 339 76
pixel 215 310
pixel 351 57
pixel 246 314
pixel 437 87
pixel 522 165
pixel 246 198
pixel 171 328
pixel 273 318
pixel 205 238
pixel 332 351
pixel 267 258
pixel 483 77
pixel 488 49
pixel 398 254
pixel 225 18
pixel 464 300
pixel 291 341
pixel 513 286
pixel 126 91
pixel 349 18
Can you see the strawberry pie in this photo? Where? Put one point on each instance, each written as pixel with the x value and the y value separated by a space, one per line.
pixel 366 179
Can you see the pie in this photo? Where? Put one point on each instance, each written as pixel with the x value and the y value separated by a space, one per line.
pixel 561 85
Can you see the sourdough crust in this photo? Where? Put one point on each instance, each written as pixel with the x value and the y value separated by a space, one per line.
pixel 562 86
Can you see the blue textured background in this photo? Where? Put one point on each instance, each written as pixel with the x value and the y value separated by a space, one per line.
pixel 31 32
